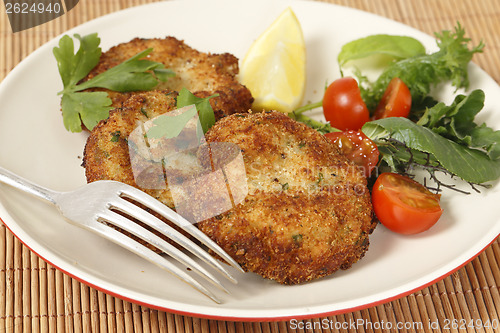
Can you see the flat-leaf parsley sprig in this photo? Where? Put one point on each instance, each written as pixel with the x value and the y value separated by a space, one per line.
pixel 170 126
pixel 90 107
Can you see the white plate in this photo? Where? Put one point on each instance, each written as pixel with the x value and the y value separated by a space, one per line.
pixel 35 145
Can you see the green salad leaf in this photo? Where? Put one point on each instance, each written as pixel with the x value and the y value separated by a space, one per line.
pixel 396 47
pixel 422 72
pixel 436 137
pixel 471 165
pixel 456 122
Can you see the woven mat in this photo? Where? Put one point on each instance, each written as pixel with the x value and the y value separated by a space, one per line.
pixel 36 297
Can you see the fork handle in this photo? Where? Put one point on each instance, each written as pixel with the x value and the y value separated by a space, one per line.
pixel 22 184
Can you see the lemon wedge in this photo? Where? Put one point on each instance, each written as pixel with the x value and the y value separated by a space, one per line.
pixel 274 68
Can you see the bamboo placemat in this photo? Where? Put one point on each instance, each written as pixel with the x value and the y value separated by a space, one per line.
pixel 35 297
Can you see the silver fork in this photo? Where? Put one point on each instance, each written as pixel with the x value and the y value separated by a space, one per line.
pixel 97 207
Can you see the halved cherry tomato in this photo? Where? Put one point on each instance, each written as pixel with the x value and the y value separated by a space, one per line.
pixel 357 147
pixel 396 101
pixel 343 106
pixel 404 205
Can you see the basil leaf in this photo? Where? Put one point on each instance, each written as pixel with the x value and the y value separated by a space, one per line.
pixel 397 47
pixel 469 164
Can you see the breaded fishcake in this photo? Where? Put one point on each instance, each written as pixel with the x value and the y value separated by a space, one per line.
pixel 106 154
pixel 308 211
pixel 202 73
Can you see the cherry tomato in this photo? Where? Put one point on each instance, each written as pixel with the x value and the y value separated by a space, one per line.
pixel 343 106
pixel 396 101
pixel 404 205
pixel 357 147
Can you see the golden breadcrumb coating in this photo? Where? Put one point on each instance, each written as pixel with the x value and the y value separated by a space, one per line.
pixel 106 154
pixel 202 73
pixel 308 211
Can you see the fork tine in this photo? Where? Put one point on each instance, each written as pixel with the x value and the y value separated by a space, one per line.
pixel 141 250
pixel 145 199
pixel 160 226
pixel 149 237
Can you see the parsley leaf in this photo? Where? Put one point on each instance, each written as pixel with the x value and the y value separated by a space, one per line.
pixel 167 126
pixel 74 67
pixel 205 111
pixel 86 107
pixel 90 107
pixel 131 75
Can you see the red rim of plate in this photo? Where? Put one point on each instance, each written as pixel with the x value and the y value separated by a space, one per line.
pixel 257 319
pixel 253 319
